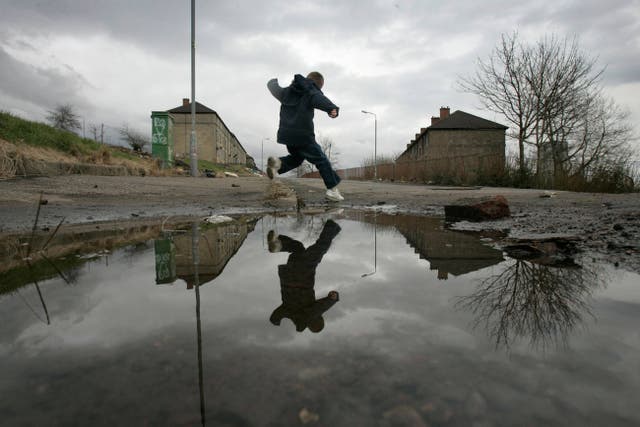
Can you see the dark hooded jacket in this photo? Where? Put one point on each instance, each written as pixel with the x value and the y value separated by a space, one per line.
pixel 298 101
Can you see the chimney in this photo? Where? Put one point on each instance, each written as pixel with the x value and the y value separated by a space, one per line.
pixel 422 130
pixel 185 102
pixel 417 136
pixel 434 120
pixel 444 112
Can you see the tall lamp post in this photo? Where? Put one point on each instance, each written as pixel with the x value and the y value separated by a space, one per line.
pixel 262 154
pixel 375 144
pixel 193 146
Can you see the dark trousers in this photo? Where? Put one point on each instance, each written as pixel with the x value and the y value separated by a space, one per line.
pixel 313 154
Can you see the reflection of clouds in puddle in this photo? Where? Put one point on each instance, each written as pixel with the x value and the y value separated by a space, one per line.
pixel 622 286
pixel 371 321
pixel 110 307
pixel 363 323
pixel 397 327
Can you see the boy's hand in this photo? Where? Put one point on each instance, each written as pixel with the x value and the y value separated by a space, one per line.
pixel 333 113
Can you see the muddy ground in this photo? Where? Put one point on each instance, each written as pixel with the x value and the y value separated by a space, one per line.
pixel 606 226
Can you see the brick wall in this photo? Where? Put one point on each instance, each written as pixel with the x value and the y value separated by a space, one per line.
pixel 215 143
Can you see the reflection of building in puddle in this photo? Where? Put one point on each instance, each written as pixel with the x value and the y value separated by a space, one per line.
pixel 447 251
pixel 216 246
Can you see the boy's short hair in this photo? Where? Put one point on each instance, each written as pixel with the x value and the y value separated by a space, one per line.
pixel 317 78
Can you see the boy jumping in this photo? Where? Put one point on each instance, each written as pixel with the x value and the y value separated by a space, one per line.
pixel 297 104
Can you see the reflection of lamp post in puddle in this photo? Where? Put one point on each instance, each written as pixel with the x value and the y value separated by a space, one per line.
pixel 375 246
pixel 196 259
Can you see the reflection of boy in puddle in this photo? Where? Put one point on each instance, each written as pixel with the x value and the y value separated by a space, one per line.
pixel 297 279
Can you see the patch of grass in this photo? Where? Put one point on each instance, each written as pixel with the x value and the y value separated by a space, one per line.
pixel 17 130
pixel 27 139
pixel 124 155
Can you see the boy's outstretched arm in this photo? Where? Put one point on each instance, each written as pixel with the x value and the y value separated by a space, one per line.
pixel 275 89
pixel 323 103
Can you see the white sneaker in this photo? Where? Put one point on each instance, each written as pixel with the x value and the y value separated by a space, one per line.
pixel 333 194
pixel 273 165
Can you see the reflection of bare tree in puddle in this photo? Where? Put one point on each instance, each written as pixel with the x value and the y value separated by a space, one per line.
pixel 532 300
pixel 27 257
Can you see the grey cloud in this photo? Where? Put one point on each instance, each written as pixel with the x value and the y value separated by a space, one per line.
pixel 242 44
pixel 44 87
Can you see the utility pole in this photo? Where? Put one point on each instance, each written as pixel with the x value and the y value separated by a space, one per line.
pixel 193 147
pixel 375 144
pixel 262 154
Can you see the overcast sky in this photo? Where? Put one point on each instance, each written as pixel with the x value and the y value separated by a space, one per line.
pixel 116 60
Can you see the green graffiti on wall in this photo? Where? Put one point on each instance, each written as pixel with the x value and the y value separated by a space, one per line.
pixel 160 130
pixel 162 137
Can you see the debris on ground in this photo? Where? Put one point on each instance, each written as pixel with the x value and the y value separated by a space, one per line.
pixel 217 219
pixel 306 416
pixel 482 209
pixel 554 250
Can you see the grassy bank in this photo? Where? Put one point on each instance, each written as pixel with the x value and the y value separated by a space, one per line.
pixel 17 130
pixel 25 142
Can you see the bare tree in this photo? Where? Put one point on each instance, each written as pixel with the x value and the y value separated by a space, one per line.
pixel 136 140
pixel 599 138
pixel 550 92
pixel 64 117
pixel 95 131
pixel 563 80
pixel 303 169
pixel 502 85
pixel 329 149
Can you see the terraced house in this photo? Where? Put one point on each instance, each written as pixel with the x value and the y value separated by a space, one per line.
pixel 457 146
pixel 215 141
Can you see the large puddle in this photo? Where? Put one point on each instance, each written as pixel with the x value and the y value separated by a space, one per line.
pixel 357 319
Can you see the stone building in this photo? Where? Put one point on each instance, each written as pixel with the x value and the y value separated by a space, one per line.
pixel 457 146
pixel 216 142
pixel 216 246
pixel 447 251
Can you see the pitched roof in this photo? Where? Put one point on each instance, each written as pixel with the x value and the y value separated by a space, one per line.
pixel 203 109
pixel 461 120
pixel 186 109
